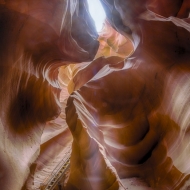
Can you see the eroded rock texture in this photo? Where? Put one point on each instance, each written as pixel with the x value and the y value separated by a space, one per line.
pixel 121 97
pixel 37 37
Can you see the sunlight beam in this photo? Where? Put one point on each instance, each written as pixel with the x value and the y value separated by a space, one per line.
pixel 97 12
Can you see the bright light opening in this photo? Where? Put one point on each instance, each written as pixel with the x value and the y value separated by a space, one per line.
pixel 97 12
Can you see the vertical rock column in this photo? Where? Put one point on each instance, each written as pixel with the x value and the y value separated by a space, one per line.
pixel 89 167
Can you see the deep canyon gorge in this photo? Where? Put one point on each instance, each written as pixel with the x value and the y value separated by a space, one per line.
pixel 116 101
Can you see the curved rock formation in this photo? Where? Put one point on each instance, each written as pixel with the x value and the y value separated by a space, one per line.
pixel 121 97
pixel 36 39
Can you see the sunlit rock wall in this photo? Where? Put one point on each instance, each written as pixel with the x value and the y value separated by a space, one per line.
pixel 121 97
pixel 37 37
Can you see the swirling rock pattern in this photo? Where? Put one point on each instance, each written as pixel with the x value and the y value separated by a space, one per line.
pixel 121 97
pixel 36 39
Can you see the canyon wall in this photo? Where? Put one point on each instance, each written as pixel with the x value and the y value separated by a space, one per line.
pixel 120 97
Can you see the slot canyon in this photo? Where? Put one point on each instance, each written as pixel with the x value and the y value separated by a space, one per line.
pixel 82 109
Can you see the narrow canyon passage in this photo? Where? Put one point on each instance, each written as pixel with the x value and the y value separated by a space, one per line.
pixel 113 103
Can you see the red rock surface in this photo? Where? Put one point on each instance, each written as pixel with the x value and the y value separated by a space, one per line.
pixel 121 97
